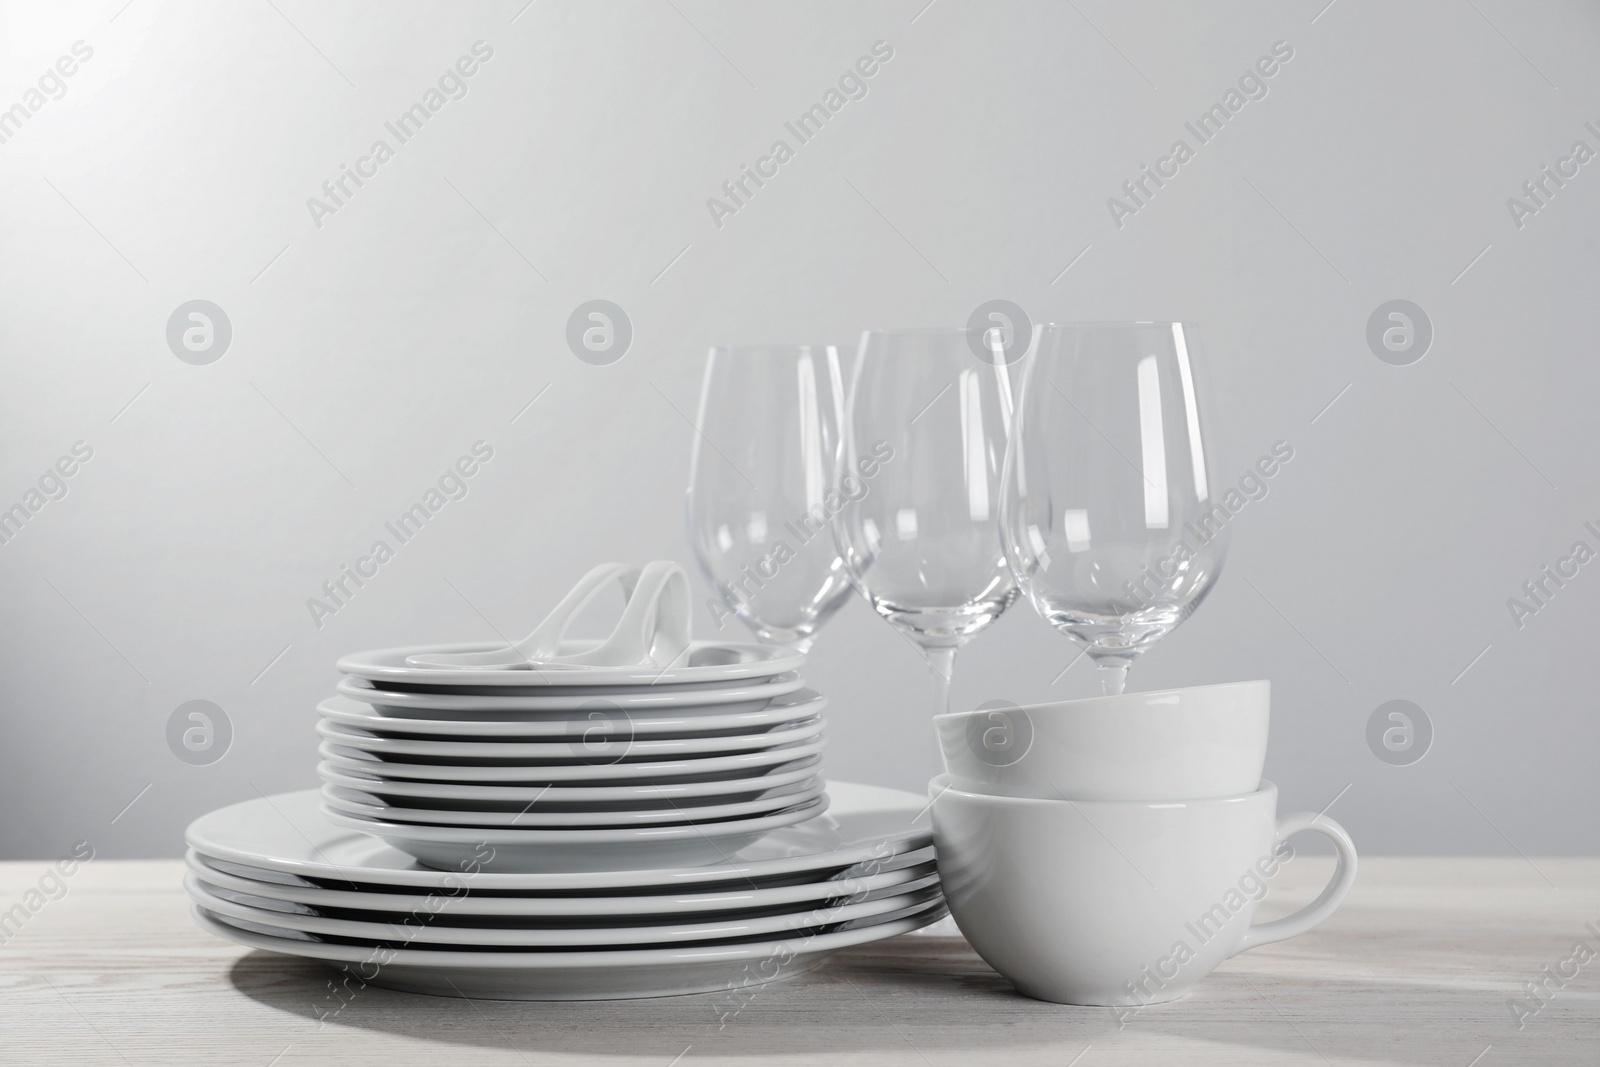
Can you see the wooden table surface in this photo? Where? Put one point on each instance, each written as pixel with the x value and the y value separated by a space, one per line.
pixel 1418 967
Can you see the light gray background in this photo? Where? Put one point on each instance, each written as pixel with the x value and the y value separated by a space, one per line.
pixel 370 353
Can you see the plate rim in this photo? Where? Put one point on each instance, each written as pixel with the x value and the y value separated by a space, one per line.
pixel 772 805
pixel 679 903
pixel 845 856
pixel 769 660
pixel 507 727
pixel 811 765
pixel 290 921
pixel 770 688
pixel 798 730
pixel 598 837
pixel 550 961
pixel 680 768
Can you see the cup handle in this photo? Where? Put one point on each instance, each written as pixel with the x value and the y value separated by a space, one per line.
pixel 1344 875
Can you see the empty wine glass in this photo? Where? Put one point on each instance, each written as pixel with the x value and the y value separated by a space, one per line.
pixel 761 474
pixel 924 444
pixel 1109 513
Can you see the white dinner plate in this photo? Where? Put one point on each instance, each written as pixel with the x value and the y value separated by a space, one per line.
pixel 429 929
pixel 288 834
pixel 580 848
pixel 742 765
pixel 530 817
pixel 533 726
pixel 605 740
pixel 703 662
pixel 645 702
pixel 916 872
pixel 451 794
pixel 615 975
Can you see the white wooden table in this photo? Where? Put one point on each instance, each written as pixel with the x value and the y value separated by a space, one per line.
pixel 1417 968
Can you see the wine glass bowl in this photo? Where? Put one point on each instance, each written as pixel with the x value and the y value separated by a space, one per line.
pixel 925 430
pixel 1109 511
pixel 761 492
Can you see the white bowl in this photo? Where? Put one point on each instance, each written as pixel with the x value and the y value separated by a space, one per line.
pixel 1175 744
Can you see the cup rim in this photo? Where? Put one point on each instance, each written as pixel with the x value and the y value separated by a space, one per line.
pixel 1266 787
pixel 1085 703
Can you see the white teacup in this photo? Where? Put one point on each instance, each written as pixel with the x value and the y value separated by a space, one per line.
pixel 1176 744
pixel 1119 903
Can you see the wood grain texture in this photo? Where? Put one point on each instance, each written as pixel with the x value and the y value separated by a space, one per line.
pixel 1416 968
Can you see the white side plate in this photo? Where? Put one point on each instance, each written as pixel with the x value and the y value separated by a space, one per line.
pixel 578 849
pixel 646 720
pixel 704 662
pixel 602 933
pixel 916 871
pixel 705 768
pixel 451 794
pixel 288 833
pixel 530 816
pixel 617 975
pixel 607 739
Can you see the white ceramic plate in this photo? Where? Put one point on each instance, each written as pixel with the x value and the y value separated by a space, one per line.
pixel 466 900
pixel 704 662
pixel 363 805
pixel 545 725
pixel 604 741
pixel 449 795
pixel 615 975
pixel 579 848
pixel 288 834
pixel 744 765
pixel 606 933
pixel 642 701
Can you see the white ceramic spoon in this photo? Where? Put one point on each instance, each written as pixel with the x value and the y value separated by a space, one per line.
pixel 654 628
pixel 540 646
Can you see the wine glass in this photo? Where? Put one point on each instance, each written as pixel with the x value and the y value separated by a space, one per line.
pixel 761 475
pixel 1110 514
pixel 924 444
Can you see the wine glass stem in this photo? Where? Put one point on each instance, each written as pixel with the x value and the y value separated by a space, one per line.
pixel 1113 677
pixel 942 665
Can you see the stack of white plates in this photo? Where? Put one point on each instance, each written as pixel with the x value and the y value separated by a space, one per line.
pixel 277 873
pixel 577 769
pixel 561 830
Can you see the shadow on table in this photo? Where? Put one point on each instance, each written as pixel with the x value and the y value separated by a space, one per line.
pixel 914 994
